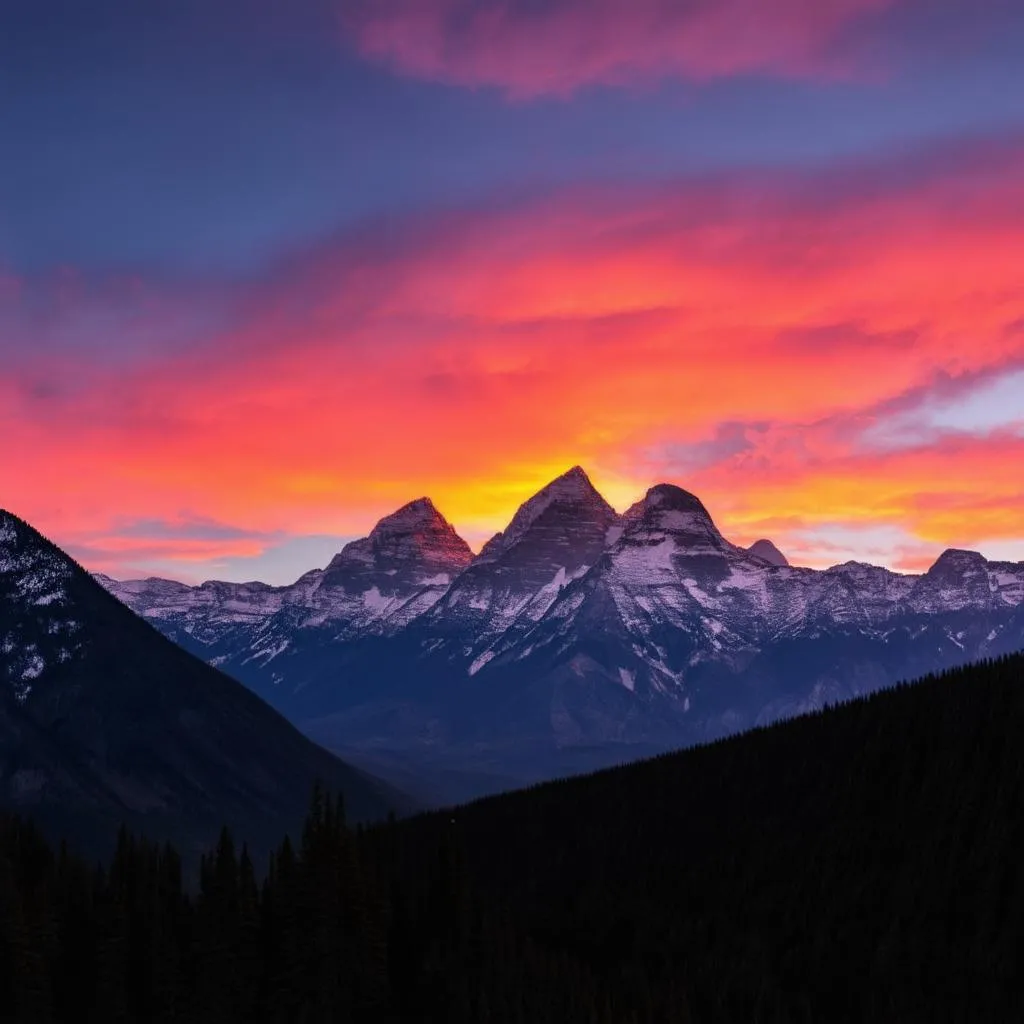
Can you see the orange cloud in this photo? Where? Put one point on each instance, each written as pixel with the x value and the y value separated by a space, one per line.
pixel 530 49
pixel 955 492
pixel 474 355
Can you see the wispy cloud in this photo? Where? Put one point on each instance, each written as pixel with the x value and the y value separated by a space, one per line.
pixel 530 49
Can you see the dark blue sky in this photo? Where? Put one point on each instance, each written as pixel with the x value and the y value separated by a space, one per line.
pixel 210 137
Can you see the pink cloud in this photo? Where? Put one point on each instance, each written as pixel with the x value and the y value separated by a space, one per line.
pixel 530 49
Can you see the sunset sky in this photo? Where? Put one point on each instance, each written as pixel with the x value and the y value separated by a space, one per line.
pixel 269 270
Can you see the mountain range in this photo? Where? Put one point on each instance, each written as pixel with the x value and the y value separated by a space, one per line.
pixel 103 721
pixel 577 637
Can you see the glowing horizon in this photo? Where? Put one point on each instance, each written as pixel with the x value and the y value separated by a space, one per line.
pixel 819 554
pixel 781 271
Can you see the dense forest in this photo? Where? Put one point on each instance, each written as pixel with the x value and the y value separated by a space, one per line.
pixel 860 864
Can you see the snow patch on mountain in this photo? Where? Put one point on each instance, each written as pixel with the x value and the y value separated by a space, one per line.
pixel 479 662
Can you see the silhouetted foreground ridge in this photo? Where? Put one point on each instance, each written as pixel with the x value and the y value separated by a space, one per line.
pixel 103 720
pixel 859 864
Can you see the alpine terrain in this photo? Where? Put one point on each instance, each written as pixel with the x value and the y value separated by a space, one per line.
pixel 576 637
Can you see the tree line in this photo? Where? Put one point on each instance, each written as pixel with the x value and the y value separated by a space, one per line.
pixel 859 864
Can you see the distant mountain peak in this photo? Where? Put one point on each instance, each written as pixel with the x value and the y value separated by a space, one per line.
pixel 668 512
pixel 572 489
pixel 676 507
pixel 957 562
pixel 960 557
pixel 671 496
pixel 575 476
pixel 415 514
pixel 572 485
pixel 415 538
pixel 769 552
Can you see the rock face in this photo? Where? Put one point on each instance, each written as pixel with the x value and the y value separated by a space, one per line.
pixel 411 548
pixel 102 720
pixel 400 570
pixel 579 628
pixel 565 522
pixel 554 538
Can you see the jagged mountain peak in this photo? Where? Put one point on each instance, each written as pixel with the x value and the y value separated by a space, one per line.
pixel 418 514
pixel 572 489
pixel 769 552
pixel 574 479
pixel 414 539
pixel 572 486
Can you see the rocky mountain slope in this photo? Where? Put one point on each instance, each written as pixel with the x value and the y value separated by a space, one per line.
pixel 578 628
pixel 102 720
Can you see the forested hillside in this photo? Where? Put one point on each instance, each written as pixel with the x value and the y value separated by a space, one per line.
pixel 858 864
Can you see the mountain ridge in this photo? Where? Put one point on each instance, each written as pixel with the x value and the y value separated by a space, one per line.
pixel 578 626
pixel 763 548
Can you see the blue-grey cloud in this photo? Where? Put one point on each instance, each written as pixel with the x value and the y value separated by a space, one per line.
pixel 190 528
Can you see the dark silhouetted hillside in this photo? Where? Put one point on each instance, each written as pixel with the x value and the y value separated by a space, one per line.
pixel 858 864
